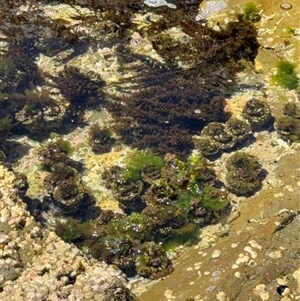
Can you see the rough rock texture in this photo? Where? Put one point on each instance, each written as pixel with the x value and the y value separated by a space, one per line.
pixel 251 257
pixel 35 264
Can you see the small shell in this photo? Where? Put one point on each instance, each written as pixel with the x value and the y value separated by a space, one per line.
pixel 286 6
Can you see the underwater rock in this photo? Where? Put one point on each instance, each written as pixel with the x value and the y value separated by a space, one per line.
pixel 153 261
pixel 244 174
pixel 257 112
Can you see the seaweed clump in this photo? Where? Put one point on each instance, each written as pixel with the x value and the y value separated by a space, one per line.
pixel 153 262
pixel 66 190
pixel 164 117
pixel 288 125
pixel 244 174
pixel 285 76
pixel 217 137
pixel 258 113
pixel 251 12
pixel 80 91
pixel 100 139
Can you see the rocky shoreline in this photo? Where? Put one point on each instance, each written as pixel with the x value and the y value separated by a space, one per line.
pixel 36 264
pixel 252 253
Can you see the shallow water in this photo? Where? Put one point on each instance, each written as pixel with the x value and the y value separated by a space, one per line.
pixel 74 73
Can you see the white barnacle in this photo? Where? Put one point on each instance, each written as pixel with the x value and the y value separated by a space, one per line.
pixel 208 8
pixel 159 3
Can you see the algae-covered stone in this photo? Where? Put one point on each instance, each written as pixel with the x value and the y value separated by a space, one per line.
pixel 153 263
pixel 257 112
pixel 244 174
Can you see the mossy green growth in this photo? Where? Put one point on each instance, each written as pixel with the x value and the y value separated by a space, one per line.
pixel 290 30
pixel 250 11
pixel 184 202
pixel 214 199
pixel 5 124
pixel 72 230
pixel 65 146
pixel 286 76
pixel 7 67
pixel 140 160
pixel 134 226
pixel 176 237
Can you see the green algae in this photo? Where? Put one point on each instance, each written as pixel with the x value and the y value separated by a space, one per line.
pixel 72 230
pixel 290 30
pixel 250 11
pixel 140 160
pixel 214 199
pixel 286 75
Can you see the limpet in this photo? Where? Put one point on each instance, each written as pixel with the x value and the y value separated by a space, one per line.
pixel 286 6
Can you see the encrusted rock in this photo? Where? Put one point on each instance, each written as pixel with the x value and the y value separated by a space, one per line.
pixel 60 271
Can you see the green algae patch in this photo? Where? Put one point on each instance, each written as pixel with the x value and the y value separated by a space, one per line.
pixel 139 161
pixel 285 76
pixel 290 30
pixel 251 12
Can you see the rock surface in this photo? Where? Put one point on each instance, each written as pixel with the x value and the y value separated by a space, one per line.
pixel 35 264
pixel 249 258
